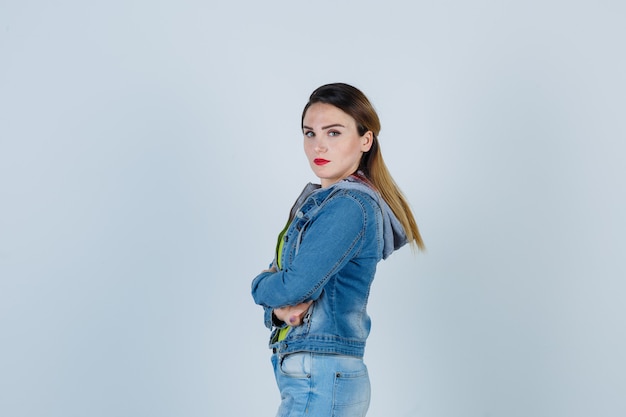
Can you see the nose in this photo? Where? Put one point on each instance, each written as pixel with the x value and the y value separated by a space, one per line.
pixel 320 146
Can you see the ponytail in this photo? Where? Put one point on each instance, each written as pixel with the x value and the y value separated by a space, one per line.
pixel 375 169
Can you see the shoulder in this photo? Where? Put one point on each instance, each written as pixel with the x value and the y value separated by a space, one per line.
pixel 355 194
pixel 351 202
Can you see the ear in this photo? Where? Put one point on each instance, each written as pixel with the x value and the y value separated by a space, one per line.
pixel 366 141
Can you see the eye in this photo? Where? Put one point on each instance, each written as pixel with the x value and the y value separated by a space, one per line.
pixel 309 133
pixel 333 133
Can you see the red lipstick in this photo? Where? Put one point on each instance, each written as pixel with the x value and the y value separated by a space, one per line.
pixel 320 161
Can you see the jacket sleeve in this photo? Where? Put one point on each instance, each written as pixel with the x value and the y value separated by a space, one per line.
pixel 331 239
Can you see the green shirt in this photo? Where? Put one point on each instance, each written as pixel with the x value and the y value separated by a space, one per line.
pixel 282 333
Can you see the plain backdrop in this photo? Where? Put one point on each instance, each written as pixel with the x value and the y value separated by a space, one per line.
pixel 150 151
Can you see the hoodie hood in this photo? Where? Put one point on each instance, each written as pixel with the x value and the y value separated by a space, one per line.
pixel 394 236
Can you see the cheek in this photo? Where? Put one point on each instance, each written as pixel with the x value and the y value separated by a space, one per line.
pixel 308 147
pixel 355 151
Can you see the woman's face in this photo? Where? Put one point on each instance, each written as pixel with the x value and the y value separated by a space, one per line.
pixel 332 143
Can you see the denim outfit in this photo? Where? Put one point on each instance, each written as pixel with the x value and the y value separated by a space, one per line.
pixel 331 247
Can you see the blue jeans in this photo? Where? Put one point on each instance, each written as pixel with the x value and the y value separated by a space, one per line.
pixel 321 385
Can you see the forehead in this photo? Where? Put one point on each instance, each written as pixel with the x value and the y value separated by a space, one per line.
pixel 322 113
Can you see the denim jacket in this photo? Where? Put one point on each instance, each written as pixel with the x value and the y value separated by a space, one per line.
pixel 331 248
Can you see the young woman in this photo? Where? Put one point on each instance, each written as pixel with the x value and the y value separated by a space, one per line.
pixel 315 293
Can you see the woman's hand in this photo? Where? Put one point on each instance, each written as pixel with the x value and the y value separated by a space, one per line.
pixel 293 315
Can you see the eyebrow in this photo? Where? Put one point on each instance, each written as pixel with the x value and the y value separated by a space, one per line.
pixel 325 127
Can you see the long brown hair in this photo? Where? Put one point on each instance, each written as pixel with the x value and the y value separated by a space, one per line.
pixel 353 102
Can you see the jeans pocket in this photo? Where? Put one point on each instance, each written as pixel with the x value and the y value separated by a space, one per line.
pixel 296 365
pixel 352 390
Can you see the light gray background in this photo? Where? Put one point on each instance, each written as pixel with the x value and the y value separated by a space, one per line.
pixel 150 150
